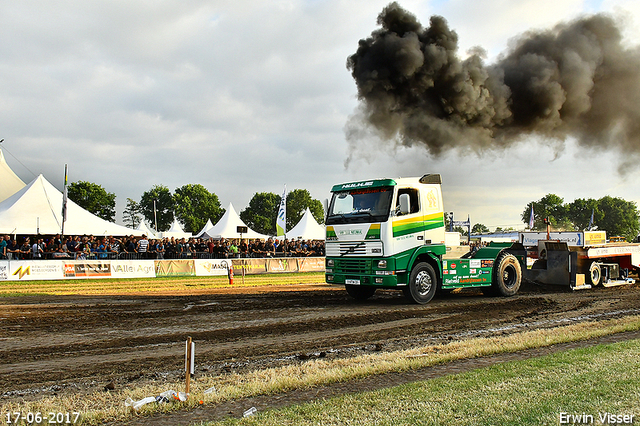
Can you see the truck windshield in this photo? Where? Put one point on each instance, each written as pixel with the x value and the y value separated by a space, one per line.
pixel 360 206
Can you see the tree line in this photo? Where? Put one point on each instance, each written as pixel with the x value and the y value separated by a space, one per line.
pixel 616 216
pixel 612 214
pixel 192 205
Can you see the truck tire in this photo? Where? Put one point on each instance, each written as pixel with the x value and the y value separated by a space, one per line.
pixel 595 274
pixel 507 275
pixel 422 284
pixel 359 292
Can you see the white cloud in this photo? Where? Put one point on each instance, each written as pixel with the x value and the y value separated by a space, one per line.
pixel 243 97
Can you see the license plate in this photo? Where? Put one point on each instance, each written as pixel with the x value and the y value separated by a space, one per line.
pixel 352 282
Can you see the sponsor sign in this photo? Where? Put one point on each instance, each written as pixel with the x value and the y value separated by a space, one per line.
pixel 593 238
pixel 530 239
pixel 172 268
pixel 133 269
pixel 282 265
pixel 211 267
pixel 311 264
pixel 88 269
pixel 24 270
pixel 249 266
pixel 4 271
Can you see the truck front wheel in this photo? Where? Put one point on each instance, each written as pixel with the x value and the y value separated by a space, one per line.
pixel 507 275
pixel 359 292
pixel 422 284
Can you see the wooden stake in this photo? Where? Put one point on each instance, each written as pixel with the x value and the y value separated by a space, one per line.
pixel 187 366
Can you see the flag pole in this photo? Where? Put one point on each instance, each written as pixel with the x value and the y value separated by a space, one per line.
pixel 64 200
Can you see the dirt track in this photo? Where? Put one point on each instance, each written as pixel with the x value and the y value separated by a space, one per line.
pixel 69 344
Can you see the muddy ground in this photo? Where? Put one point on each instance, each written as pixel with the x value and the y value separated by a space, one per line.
pixel 78 344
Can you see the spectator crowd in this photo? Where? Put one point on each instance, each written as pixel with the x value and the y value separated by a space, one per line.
pixel 91 247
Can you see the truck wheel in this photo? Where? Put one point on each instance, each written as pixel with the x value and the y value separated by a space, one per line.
pixel 507 275
pixel 359 292
pixel 595 273
pixel 422 284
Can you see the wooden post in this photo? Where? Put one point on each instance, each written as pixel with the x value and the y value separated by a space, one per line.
pixel 188 367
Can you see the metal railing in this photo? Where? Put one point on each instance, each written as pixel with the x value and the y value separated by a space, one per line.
pixel 97 256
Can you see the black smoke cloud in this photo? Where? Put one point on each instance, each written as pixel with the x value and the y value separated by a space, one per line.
pixel 573 80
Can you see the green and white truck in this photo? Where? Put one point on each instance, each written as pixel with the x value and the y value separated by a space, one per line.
pixel 390 233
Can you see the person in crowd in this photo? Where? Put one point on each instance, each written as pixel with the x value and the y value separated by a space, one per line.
pixel 4 242
pixel 169 248
pixel 142 247
pixel 36 249
pixel 13 250
pixel 233 249
pixel 243 248
pixel 159 249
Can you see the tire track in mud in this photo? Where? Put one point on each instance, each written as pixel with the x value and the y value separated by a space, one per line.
pixel 72 341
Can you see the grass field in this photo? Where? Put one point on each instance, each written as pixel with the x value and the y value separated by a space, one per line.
pixel 587 386
pixel 168 285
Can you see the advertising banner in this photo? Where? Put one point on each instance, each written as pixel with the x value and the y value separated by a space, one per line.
pixel 282 265
pixel 133 269
pixel 172 268
pixel 250 266
pixel 530 239
pixel 35 270
pixel 211 267
pixel 594 238
pixel 84 269
pixel 311 264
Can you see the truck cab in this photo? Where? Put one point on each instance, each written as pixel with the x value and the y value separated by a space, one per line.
pixel 390 233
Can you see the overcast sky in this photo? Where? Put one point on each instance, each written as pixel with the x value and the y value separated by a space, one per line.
pixel 247 96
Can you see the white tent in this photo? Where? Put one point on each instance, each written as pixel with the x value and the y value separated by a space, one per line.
pixel 146 230
pixel 10 183
pixel 175 231
pixel 227 227
pixel 207 226
pixel 307 229
pixel 37 209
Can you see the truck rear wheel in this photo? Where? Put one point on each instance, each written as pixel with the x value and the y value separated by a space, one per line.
pixel 507 275
pixel 422 284
pixel 359 292
pixel 595 274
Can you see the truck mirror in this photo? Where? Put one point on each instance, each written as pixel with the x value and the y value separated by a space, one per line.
pixel 403 201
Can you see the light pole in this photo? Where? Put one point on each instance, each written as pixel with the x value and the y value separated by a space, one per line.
pixel 155 216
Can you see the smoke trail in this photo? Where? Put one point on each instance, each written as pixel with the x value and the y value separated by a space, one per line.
pixel 573 80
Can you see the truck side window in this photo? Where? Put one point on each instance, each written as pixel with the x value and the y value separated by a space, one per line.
pixel 414 205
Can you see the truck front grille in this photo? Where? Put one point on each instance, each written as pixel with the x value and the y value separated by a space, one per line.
pixel 352 266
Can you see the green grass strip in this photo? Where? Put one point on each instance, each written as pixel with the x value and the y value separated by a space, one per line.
pixel 588 382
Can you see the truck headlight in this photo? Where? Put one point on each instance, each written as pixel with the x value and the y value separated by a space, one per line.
pixel 382 264
pixel 330 263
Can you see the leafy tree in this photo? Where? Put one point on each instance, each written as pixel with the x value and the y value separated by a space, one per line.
pixel 260 215
pixel 463 230
pixel 194 205
pixel 131 214
pixel 619 217
pixel 93 198
pixel 552 207
pixel 297 202
pixel 579 213
pixel 164 206
pixel 479 228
